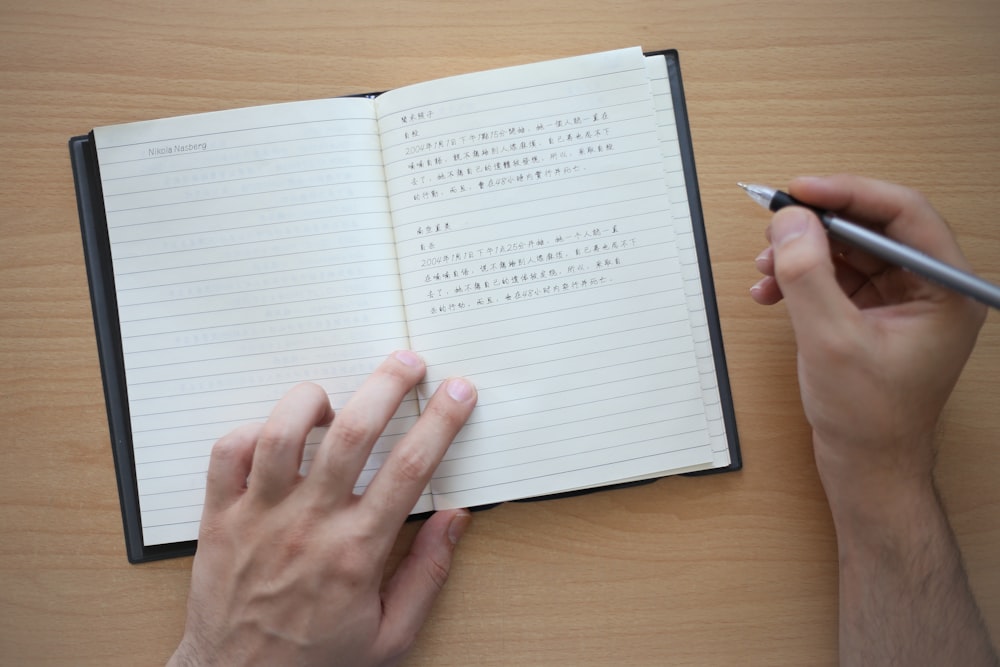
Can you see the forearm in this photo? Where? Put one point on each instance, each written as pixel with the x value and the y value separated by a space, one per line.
pixel 879 351
pixel 904 596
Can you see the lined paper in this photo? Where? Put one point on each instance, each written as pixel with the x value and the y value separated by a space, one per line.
pixel 252 250
pixel 545 250
pixel 666 126
pixel 538 257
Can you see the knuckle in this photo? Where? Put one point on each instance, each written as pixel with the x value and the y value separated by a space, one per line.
pixel 354 563
pixel 311 395
pixel 272 437
pixel 410 465
pixel 296 541
pixel 437 572
pixel 231 452
pixel 446 414
pixel 229 446
pixel 352 432
pixel 309 389
pixel 276 433
pixel 224 450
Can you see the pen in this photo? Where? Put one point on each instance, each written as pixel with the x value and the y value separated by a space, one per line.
pixel 885 248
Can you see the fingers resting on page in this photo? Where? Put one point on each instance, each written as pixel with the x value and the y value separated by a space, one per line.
pixel 289 568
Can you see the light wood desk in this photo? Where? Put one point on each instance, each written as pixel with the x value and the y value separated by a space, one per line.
pixel 732 569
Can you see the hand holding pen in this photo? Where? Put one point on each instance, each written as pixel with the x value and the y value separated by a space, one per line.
pixel 885 248
pixel 878 350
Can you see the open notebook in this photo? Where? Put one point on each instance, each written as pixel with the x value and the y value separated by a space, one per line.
pixel 536 229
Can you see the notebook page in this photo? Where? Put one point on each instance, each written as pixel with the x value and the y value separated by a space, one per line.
pixel 537 258
pixel 252 250
pixel 656 67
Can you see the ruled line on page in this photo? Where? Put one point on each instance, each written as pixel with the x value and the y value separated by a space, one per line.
pixel 498 330
pixel 674 169
pixel 229 205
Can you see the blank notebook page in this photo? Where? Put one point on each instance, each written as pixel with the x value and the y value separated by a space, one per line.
pixel 252 250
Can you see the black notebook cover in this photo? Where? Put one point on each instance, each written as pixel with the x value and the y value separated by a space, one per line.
pixel 97 256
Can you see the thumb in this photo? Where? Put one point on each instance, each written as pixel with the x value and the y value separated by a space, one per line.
pixel 805 273
pixel 409 594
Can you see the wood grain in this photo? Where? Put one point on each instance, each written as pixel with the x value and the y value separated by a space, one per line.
pixel 734 569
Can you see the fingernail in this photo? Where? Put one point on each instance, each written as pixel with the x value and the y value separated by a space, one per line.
pixel 459 389
pixel 458 525
pixel 789 224
pixel 763 261
pixel 408 358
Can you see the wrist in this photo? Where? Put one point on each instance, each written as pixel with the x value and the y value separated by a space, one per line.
pixel 875 484
pixel 882 517
pixel 882 498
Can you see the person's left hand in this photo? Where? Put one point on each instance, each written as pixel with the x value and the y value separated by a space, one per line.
pixel 289 567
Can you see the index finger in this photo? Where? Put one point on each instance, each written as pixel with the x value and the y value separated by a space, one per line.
pixel 397 485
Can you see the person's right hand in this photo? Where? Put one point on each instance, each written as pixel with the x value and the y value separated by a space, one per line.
pixel 879 348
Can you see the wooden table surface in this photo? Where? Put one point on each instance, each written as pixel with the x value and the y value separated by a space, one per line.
pixel 731 569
